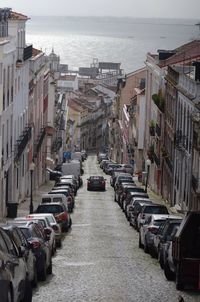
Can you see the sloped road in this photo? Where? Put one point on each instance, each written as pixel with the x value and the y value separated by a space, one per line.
pixel 100 259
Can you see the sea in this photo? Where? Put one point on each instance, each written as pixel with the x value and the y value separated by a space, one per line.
pixel 80 40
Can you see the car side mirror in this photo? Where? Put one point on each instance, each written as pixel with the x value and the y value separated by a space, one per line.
pixel 22 251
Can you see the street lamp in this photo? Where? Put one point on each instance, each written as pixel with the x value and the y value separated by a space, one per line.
pixel 148 164
pixel 31 168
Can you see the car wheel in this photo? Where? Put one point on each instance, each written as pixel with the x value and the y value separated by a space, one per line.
pixel 59 243
pixel 146 249
pixel 160 259
pixel 35 279
pixel 70 223
pixel 140 243
pixel 9 295
pixel 49 268
pixel 43 273
pixel 168 273
pixel 179 284
pixel 27 291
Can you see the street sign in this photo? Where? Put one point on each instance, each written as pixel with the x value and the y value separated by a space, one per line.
pixel 67 155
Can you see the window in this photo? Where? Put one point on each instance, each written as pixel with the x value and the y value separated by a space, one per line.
pixel 9 244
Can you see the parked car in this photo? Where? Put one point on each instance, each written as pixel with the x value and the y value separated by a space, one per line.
pixel 68 200
pixel 45 228
pixel 17 236
pixel 163 236
pixel 48 229
pixel 148 210
pixel 102 156
pixel 126 188
pixel 67 182
pixel 53 174
pixel 111 167
pixel 128 168
pixel 13 272
pixel 148 230
pixel 119 192
pixel 130 196
pixel 135 208
pixel 104 162
pixel 55 226
pixel 39 244
pixel 96 183
pixel 121 178
pixel 169 265
pixel 74 180
pixel 6 279
pixel 135 201
pixel 60 212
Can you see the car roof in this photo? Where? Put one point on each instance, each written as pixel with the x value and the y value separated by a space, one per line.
pixel 159 216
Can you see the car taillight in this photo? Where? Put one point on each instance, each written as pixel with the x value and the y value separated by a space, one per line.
pixel 61 217
pixel 35 244
pixel 152 230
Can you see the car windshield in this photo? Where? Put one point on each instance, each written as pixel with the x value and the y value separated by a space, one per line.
pixel 26 232
pixel 49 209
pixel 158 222
pixel 156 210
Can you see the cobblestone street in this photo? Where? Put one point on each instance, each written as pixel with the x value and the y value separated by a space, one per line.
pixel 100 259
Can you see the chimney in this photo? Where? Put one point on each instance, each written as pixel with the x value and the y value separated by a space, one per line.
pixel 197 70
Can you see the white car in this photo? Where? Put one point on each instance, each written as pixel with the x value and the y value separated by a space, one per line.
pixel 47 226
pixel 149 229
pixel 55 226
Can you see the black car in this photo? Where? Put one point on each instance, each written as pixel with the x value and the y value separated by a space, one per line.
pixel 96 183
pixel 53 174
pixel 21 242
pixel 14 279
pixel 60 212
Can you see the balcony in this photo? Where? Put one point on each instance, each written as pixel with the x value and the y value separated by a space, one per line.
pixel 57 144
pixel 27 52
pixel 22 142
pixel 158 101
pixel 39 141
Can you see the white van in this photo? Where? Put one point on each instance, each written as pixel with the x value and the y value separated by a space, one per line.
pixel 46 198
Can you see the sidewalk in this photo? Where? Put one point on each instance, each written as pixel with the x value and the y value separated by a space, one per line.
pixel 158 199
pixel 23 208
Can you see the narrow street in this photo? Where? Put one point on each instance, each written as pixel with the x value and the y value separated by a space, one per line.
pixel 100 259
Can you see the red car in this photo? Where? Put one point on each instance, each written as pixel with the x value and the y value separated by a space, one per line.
pixel 96 183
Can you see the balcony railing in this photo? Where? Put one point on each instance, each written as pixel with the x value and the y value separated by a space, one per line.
pixel 158 130
pixel 22 143
pixel 57 144
pixel 157 160
pixel 39 141
pixel 28 52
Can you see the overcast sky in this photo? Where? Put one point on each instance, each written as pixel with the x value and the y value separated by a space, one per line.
pixel 119 8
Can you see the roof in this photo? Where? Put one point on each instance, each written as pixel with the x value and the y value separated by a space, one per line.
pixel 185 53
pixel 18 16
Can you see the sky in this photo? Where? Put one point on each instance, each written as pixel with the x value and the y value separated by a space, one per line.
pixel 189 9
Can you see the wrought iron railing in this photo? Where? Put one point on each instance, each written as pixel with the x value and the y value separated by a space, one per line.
pixel 22 142
pixel 39 141
pixel 28 52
